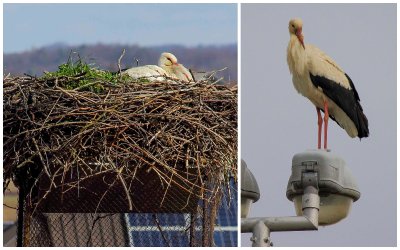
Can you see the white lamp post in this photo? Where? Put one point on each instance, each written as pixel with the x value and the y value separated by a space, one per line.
pixel 322 190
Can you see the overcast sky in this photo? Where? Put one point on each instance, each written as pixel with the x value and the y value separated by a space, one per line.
pixel 277 122
pixel 28 26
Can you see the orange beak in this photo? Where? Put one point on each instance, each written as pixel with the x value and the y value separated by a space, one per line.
pixel 300 37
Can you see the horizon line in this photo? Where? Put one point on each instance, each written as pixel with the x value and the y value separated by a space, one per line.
pixel 66 45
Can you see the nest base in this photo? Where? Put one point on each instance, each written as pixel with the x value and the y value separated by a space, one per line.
pixel 106 193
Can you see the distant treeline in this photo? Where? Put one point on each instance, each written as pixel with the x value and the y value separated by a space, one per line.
pixel 200 58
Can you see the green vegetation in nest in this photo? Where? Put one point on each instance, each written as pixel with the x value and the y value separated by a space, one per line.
pixel 84 76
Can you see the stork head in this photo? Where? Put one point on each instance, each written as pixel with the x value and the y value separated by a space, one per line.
pixel 296 28
pixel 167 59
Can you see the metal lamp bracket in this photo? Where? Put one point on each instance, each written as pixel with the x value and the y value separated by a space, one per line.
pixel 309 178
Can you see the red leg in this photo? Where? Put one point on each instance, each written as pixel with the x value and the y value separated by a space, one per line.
pixel 319 127
pixel 326 119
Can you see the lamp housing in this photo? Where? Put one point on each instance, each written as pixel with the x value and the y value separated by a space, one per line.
pixel 336 186
pixel 250 192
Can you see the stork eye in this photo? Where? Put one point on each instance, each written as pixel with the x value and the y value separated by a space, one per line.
pixel 293 25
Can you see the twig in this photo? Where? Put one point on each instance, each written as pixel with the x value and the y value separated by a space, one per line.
pixel 128 196
pixel 161 231
pixel 119 61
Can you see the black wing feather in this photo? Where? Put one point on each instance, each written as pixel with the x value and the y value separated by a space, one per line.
pixel 347 99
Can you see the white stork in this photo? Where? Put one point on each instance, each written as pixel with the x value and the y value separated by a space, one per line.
pixel 170 64
pixel 317 77
pixel 151 72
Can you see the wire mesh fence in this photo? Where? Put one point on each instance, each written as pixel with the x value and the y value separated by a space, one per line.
pixel 64 217
pixel 204 226
pixel 75 229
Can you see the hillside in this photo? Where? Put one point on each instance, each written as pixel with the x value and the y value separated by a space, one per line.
pixel 200 58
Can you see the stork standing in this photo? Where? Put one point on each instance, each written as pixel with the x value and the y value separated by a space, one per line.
pixel 317 77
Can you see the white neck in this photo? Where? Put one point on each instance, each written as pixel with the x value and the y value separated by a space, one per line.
pixel 296 56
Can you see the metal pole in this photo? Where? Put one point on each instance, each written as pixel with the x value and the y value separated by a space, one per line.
pixel 262 226
pixel 310 204
pixel 21 218
pixel 279 224
pixel 260 236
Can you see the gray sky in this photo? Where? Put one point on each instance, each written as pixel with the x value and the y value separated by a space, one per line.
pixel 28 26
pixel 277 122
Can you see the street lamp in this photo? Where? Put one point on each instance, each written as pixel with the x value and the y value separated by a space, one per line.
pixel 337 187
pixel 249 192
pixel 321 188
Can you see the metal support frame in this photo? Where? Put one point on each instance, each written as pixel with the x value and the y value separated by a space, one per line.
pixel 261 227
pixel 260 236
pixel 21 218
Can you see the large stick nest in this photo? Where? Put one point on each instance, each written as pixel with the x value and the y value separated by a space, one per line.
pixel 166 125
